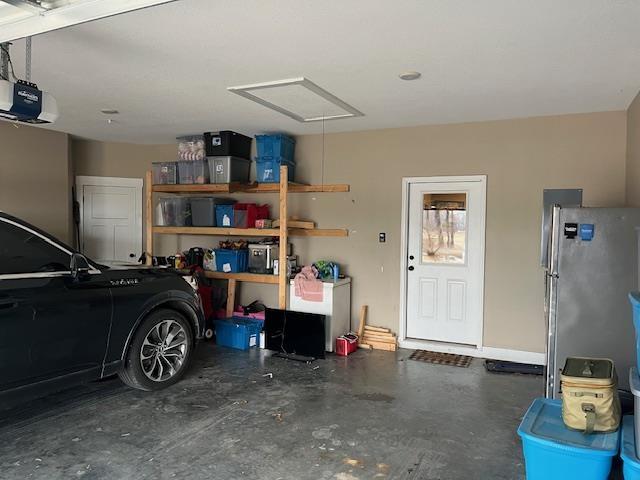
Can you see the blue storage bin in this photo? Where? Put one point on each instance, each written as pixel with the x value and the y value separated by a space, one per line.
pixel 554 452
pixel 634 298
pixel 231 261
pixel 268 169
pixel 631 463
pixel 240 333
pixel 224 216
pixel 277 145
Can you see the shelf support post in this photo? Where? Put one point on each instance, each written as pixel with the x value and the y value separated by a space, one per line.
pixel 148 210
pixel 282 259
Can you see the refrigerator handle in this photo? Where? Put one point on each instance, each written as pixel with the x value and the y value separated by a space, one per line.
pixel 551 291
pixel 554 240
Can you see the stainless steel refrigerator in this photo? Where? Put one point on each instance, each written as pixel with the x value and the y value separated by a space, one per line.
pixel 592 266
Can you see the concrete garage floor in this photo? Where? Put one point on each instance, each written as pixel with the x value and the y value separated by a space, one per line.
pixel 371 415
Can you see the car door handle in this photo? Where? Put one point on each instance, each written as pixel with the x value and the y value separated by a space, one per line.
pixel 7 303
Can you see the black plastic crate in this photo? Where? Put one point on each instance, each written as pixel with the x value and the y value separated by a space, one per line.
pixel 227 143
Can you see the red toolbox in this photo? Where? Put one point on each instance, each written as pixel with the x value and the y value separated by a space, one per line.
pixel 346 344
pixel 246 214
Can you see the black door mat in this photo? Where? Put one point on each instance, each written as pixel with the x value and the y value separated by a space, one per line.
pixel 499 366
pixel 441 358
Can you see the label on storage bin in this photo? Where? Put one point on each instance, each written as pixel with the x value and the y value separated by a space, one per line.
pixel 216 141
pixel 219 168
pixel 252 341
pixel 268 174
pixel 226 221
pixel 226 267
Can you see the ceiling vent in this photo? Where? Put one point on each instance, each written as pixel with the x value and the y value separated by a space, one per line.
pixel 298 98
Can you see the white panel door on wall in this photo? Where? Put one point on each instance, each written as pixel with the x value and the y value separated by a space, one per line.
pixel 445 260
pixel 111 224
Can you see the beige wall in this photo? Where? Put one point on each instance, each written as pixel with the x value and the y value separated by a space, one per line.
pixel 520 158
pixel 633 153
pixel 35 178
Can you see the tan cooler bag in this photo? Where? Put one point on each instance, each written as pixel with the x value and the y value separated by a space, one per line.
pixel 590 400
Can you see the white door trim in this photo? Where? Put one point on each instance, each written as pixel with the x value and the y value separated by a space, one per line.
pixel 404 251
pixel 137 183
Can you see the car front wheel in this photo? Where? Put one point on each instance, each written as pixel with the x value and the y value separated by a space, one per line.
pixel 160 351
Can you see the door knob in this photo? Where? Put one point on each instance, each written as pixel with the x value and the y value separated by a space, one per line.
pixel 411 257
pixel 132 255
pixel 411 268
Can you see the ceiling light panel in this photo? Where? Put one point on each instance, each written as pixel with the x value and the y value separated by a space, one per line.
pixel 298 98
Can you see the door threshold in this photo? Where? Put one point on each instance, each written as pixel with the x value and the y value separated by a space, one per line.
pixel 441 347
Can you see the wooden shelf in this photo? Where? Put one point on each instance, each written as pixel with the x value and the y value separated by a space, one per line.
pixel 219 231
pixel 319 232
pixel 252 232
pixel 243 277
pixel 283 188
pixel 253 188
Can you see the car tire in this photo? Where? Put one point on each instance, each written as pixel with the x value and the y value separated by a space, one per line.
pixel 159 352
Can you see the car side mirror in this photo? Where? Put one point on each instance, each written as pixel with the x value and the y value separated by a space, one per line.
pixel 79 265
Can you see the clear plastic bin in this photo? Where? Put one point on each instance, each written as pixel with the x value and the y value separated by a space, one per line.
pixel 190 172
pixel 165 173
pixel 203 210
pixel 176 211
pixel 191 147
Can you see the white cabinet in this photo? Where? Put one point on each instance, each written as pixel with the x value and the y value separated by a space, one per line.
pixel 335 305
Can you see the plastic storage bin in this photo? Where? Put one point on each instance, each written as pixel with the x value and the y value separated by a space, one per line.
pixel 203 210
pixel 634 298
pixel 634 384
pixel 240 333
pixel 224 216
pixel 628 449
pixel 277 145
pixel 165 173
pixel 176 211
pixel 553 452
pixel 229 169
pixel 225 143
pixel 268 169
pixel 231 261
pixel 191 147
pixel 246 214
pixel 190 172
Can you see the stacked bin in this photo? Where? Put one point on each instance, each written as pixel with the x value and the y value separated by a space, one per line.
pixel 175 211
pixel 239 333
pixel 228 156
pixel 631 424
pixel 273 152
pixel 192 162
pixel 554 452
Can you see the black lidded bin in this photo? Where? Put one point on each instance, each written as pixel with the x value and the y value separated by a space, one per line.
pixel 227 143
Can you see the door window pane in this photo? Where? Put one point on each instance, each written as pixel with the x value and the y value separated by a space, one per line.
pixel 444 228
pixel 23 252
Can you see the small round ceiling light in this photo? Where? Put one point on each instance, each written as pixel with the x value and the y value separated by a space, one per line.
pixel 410 76
pixel 109 111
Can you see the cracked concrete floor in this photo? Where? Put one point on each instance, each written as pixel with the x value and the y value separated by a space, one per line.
pixel 373 415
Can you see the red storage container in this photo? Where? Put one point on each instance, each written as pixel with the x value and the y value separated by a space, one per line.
pixel 246 214
pixel 346 344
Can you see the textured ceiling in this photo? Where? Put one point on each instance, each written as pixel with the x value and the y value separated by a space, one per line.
pixel 167 68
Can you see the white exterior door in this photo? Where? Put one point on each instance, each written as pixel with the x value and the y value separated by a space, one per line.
pixel 445 260
pixel 111 219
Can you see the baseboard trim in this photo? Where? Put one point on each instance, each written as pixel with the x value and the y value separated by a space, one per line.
pixel 492 353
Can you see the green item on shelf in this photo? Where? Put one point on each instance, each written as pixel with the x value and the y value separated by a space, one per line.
pixel 325 268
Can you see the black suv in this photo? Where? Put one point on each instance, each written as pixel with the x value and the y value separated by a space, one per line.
pixel 67 319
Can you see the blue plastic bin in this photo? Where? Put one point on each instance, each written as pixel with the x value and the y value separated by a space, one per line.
pixel 554 452
pixel 240 333
pixel 277 145
pixel 231 261
pixel 268 169
pixel 224 215
pixel 631 463
pixel 634 298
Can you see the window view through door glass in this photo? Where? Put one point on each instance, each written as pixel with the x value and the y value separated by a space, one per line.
pixel 444 228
